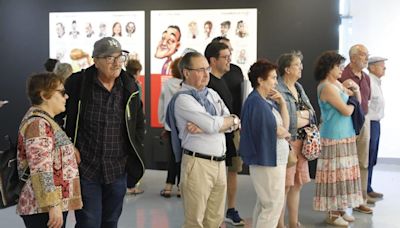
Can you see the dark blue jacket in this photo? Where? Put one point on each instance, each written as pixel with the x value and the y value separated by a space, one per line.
pixel 258 133
pixel 358 115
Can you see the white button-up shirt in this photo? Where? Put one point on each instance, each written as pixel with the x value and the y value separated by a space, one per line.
pixel 377 103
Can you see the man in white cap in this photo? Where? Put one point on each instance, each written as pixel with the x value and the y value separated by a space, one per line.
pixel 104 117
pixel 376 68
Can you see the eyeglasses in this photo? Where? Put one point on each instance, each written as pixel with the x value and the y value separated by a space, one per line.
pixel 201 70
pixel 112 59
pixel 226 57
pixel 61 91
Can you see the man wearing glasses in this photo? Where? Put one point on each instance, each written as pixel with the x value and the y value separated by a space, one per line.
pixel 353 73
pixel 218 55
pixel 198 119
pixel 104 117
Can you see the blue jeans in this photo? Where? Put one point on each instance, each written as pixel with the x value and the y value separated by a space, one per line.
pixel 102 203
pixel 373 150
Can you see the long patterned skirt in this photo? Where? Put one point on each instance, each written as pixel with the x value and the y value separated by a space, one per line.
pixel 338 183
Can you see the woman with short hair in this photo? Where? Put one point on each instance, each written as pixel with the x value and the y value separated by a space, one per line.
pixel 301 114
pixel 47 156
pixel 263 144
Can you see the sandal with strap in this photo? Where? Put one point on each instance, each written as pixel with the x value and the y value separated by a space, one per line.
pixel 165 193
pixel 336 220
pixel 134 191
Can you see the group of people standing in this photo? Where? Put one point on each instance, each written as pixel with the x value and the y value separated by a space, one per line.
pixel 342 178
pixel 273 118
pixel 207 129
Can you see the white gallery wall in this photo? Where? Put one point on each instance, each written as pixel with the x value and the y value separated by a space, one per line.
pixel 375 23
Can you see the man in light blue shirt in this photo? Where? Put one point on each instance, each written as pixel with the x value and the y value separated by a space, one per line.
pixel 199 118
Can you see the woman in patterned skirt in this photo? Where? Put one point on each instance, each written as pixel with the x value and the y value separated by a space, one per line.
pixel 337 180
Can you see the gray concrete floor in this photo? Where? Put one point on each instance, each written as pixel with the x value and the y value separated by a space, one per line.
pixel 149 210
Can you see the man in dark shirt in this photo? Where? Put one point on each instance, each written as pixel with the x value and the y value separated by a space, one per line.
pixel 104 116
pixel 218 55
pixel 234 80
pixel 354 73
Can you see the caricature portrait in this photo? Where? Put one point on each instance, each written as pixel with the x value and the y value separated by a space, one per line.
pixel 130 28
pixel 193 29
pixel 60 29
pixel 207 29
pixel 74 32
pixel 117 30
pixel 102 30
pixel 89 30
pixel 241 30
pixel 225 26
pixel 167 46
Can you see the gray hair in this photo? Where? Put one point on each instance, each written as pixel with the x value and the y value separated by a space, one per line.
pixel 63 69
pixel 285 60
pixel 355 49
pixel 186 61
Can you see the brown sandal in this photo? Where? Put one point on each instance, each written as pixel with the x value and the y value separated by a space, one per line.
pixel 165 193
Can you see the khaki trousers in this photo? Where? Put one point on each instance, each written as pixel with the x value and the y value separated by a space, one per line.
pixel 363 154
pixel 203 189
pixel 269 183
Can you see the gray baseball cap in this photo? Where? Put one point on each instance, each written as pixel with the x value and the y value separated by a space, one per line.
pixel 106 47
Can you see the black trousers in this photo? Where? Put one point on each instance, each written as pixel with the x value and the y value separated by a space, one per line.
pixel 40 220
pixel 174 168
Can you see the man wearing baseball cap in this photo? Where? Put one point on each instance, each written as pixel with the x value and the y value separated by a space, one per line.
pixel 376 68
pixel 104 117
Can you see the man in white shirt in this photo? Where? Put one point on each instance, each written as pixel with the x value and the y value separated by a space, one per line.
pixel 376 68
